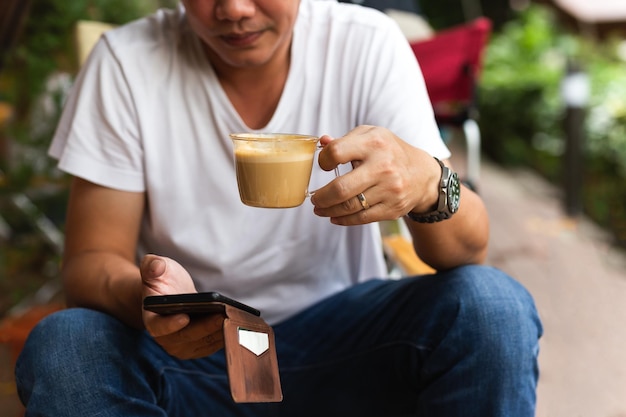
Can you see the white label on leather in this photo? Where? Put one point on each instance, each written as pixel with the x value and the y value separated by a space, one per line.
pixel 255 342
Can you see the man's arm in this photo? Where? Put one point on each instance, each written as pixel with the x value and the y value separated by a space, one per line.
pixel 397 178
pixel 99 267
pixel 100 270
pixel 459 240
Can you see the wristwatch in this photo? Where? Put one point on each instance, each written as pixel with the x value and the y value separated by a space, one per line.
pixel 449 198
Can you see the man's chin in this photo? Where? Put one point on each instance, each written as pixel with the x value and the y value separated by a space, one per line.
pixel 245 62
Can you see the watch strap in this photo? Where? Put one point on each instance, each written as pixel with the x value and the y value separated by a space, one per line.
pixel 433 217
pixel 441 212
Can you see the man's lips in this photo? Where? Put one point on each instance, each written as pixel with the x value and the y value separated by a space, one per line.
pixel 241 39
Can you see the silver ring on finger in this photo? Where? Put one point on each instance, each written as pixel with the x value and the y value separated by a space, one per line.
pixel 363 201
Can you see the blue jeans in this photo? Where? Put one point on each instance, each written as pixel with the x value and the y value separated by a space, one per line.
pixel 459 343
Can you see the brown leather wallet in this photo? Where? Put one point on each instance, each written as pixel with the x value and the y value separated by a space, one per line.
pixel 250 358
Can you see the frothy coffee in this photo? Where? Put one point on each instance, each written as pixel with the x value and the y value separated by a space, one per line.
pixel 274 174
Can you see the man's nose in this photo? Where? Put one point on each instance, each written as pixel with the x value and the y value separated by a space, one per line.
pixel 234 10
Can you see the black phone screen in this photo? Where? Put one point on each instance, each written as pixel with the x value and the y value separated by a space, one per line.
pixel 193 303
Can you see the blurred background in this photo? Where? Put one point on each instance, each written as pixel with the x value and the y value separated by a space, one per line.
pixel 519 99
pixel 528 118
pixel 38 61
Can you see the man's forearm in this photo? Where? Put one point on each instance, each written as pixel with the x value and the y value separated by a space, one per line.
pixel 105 282
pixel 457 241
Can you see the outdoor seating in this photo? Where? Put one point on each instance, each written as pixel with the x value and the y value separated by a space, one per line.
pixel 451 61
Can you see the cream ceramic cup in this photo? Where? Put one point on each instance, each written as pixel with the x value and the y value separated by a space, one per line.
pixel 273 169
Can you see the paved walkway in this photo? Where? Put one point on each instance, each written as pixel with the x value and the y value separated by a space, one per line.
pixel 579 284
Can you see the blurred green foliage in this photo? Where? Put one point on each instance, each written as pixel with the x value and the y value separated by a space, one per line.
pixel 519 89
pixel 35 76
pixel 522 110
pixel 47 47
pixel 47 43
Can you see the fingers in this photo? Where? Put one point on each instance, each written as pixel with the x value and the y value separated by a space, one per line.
pixel 353 212
pixel 152 266
pixel 163 276
pixel 345 204
pixel 159 325
pixel 178 334
pixel 345 187
pixel 389 178
pixel 348 149
pixel 365 146
pixel 203 336
pixel 374 190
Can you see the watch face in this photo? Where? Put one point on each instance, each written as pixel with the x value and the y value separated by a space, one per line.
pixel 454 193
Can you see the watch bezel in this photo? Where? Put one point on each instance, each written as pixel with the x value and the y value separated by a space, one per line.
pixel 453 191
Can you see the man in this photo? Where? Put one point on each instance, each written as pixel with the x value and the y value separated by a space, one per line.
pixel 145 133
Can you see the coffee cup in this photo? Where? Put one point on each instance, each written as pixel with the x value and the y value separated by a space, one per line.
pixel 273 169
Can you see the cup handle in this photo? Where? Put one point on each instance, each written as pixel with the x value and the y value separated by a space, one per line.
pixel 319 147
pixel 310 193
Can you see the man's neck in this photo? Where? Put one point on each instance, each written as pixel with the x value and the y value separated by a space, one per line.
pixel 255 91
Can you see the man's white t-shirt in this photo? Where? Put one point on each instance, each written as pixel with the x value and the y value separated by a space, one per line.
pixel 147 114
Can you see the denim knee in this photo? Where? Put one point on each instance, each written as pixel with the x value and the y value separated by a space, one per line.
pixel 58 344
pixel 500 309
pixel 66 354
pixel 491 345
pixel 497 318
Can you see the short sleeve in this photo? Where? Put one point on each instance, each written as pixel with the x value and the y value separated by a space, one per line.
pixel 98 137
pixel 397 97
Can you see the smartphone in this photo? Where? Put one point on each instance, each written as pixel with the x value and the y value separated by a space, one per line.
pixel 193 303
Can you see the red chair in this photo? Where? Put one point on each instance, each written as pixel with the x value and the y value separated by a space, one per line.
pixel 451 62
